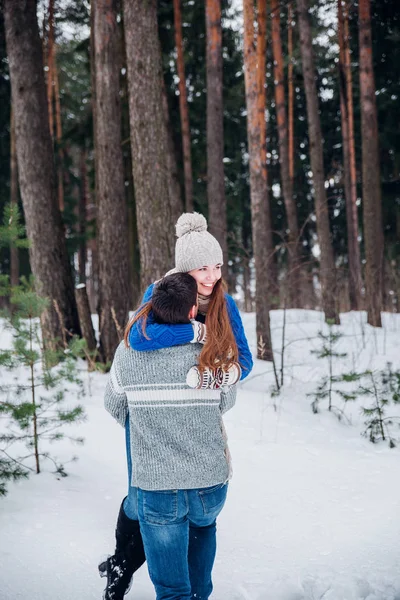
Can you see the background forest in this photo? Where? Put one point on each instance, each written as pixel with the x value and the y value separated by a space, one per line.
pixel 264 116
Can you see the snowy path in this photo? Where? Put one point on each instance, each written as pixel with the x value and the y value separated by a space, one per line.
pixel 312 511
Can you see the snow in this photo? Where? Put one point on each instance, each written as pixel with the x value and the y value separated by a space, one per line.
pixel 313 507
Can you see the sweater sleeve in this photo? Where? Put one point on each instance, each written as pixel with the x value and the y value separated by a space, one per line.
pixel 161 335
pixel 245 357
pixel 115 400
pixel 228 398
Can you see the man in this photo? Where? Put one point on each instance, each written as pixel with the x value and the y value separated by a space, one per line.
pixel 178 450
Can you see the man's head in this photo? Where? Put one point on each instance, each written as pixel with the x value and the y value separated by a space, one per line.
pixel 174 299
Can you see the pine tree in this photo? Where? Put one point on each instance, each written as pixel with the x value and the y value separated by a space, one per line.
pixel 35 402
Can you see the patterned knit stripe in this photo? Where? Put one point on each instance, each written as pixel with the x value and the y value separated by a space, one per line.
pixel 117 388
pixel 168 386
pixel 178 397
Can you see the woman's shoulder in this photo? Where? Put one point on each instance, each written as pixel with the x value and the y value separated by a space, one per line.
pixel 229 300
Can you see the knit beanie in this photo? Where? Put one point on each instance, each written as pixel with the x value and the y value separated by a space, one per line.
pixel 195 246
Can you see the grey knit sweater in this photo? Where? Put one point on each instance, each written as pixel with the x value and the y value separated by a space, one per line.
pixel 176 436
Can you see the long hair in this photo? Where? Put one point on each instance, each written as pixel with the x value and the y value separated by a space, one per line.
pixel 142 313
pixel 220 349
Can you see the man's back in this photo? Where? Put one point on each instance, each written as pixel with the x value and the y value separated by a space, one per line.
pixel 176 437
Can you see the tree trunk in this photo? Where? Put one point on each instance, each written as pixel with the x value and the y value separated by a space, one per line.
pixel 14 256
pixel 50 59
pixel 327 263
pixel 174 191
pixel 60 153
pixel 112 215
pixel 48 253
pixel 290 94
pixel 260 210
pixel 349 166
pixel 155 208
pixel 372 203
pixel 293 246
pixel 92 255
pixel 85 317
pixel 217 220
pixel 82 218
pixel 183 109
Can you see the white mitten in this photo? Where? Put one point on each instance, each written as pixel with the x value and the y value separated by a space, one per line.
pixel 213 379
pixel 199 333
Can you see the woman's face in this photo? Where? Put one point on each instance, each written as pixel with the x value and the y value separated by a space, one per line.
pixel 206 278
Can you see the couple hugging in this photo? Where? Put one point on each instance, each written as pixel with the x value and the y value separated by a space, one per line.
pixel 172 379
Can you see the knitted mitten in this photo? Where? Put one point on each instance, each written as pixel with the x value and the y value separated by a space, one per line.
pixel 213 378
pixel 200 333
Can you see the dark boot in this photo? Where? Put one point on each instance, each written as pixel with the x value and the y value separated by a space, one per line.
pixel 129 556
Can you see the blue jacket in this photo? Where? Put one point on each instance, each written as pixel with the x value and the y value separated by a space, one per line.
pixel 165 335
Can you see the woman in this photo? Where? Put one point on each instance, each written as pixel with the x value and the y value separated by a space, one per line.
pixel 198 253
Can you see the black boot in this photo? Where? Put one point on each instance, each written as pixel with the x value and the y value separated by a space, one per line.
pixel 129 556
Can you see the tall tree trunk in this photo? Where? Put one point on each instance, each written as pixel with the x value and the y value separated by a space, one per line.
pixel 112 215
pixel 48 253
pixel 174 192
pixel 290 94
pixel 327 263
pixel 371 186
pixel 155 208
pixel 349 166
pixel 93 255
pixel 183 109
pixel 60 153
pixel 215 130
pixel 260 210
pixel 50 60
pixel 286 181
pixel 82 217
pixel 14 256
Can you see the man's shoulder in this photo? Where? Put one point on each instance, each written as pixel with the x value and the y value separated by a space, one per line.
pixel 128 353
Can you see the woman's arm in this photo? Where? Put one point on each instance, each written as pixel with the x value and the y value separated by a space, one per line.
pixel 161 336
pixel 245 357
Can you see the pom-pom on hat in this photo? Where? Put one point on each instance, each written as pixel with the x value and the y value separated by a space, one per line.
pixel 195 246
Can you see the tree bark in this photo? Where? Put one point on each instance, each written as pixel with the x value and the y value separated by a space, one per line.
pixel 82 217
pixel 327 263
pixel 372 203
pixel 14 256
pixel 217 220
pixel 155 208
pixel 349 165
pixel 290 94
pixel 50 60
pixel 48 253
pixel 183 109
pixel 85 317
pixel 293 245
pixel 112 215
pixel 174 191
pixel 60 153
pixel 260 210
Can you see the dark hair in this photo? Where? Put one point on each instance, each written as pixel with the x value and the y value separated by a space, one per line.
pixel 173 297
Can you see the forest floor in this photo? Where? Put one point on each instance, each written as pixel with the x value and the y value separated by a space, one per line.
pixel 313 507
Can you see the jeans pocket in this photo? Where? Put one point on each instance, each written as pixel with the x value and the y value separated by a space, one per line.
pixel 213 498
pixel 160 508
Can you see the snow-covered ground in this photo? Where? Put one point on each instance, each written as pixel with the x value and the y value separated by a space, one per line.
pixel 313 507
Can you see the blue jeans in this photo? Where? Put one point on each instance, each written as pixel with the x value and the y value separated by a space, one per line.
pixel 178 529
pixel 130 502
